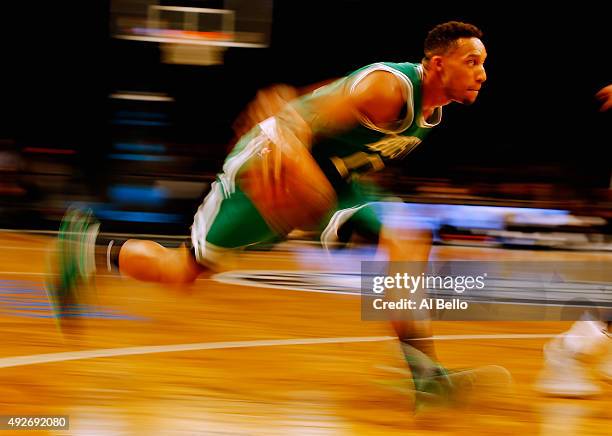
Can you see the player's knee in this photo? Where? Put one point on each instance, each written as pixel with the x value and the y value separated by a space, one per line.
pixel 406 244
pixel 178 274
pixel 179 266
pixel 408 234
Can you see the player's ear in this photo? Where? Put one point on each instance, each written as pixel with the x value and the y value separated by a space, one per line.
pixel 436 62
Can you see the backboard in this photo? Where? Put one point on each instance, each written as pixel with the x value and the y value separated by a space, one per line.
pixel 191 34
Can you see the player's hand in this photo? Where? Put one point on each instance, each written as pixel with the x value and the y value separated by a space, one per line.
pixel 268 102
pixel 283 180
pixel 605 97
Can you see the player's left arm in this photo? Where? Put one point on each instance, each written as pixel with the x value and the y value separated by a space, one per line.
pixel 268 102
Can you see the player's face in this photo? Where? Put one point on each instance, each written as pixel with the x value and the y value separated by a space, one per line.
pixel 463 70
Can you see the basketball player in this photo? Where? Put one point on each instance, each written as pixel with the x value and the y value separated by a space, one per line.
pixel 349 127
pixel 567 368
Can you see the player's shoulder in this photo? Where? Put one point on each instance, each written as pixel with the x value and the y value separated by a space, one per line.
pixel 378 85
pixel 383 79
pixel 379 88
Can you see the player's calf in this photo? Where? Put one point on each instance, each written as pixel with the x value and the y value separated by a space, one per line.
pixel 151 262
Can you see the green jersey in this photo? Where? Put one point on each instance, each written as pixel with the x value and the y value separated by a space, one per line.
pixel 367 147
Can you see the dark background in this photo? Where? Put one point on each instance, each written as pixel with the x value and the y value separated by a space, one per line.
pixel 536 119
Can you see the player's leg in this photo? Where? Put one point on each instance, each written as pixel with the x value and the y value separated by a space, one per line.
pixel 406 243
pixel 410 245
pixel 151 262
pixel 403 242
pixel 402 238
pixel 82 252
pixel 223 225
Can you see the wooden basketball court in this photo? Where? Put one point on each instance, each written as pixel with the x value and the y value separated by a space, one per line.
pixel 219 359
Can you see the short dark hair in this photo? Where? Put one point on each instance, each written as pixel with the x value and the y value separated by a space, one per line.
pixel 443 37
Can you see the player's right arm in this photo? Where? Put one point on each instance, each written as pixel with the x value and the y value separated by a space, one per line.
pixel 338 107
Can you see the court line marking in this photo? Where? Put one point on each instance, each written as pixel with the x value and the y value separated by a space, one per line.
pixel 35 359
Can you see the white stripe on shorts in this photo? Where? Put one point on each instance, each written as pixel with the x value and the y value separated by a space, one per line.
pixel 330 234
pixel 203 219
pixel 220 190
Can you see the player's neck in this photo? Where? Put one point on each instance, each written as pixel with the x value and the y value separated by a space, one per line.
pixel 433 95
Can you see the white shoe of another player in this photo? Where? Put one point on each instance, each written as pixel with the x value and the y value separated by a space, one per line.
pixel 564 375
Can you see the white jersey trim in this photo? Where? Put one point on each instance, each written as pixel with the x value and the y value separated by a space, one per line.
pixel 330 234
